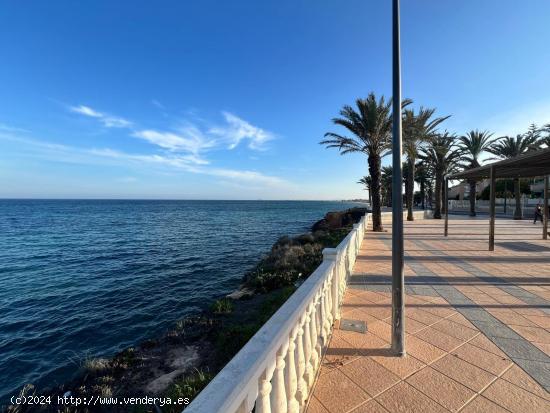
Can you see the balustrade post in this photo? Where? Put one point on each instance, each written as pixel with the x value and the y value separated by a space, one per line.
pixel 291 380
pixel 263 403
pixel 278 394
pixel 318 332
pixel 302 385
pixel 326 313
pixel 314 359
pixel 309 376
pixel 331 255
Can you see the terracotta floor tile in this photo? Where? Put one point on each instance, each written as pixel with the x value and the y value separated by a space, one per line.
pixel 401 366
pixel 460 319
pixel 378 310
pixel 337 393
pixel 455 330
pixel 404 398
pixel 439 310
pixel 517 376
pixel 315 406
pixel 444 390
pixel 422 350
pixel 372 377
pixel 419 314
pixel 540 335
pixel 367 344
pixel 515 399
pixel 544 347
pixel 381 329
pixel 511 317
pixel 439 339
pixel 363 362
pixel 484 343
pixel 372 406
pixel 357 314
pixel 339 351
pixel 412 326
pixel 463 372
pixel 482 405
pixel 478 357
pixel 372 296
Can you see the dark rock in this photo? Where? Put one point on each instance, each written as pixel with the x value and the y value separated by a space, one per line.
pixel 339 219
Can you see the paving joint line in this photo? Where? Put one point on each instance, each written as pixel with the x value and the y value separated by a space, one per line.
pixel 508 287
pixel 530 358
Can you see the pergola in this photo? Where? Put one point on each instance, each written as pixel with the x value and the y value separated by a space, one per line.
pixel 530 165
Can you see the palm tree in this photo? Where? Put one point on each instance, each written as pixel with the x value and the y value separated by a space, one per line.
pixel 367 182
pixel 473 144
pixel 371 125
pixel 387 181
pixel 545 140
pixel 533 132
pixel 507 147
pixel 441 155
pixel 422 178
pixel 417 129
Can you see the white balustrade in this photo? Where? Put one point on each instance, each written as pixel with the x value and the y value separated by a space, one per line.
pixel 275 371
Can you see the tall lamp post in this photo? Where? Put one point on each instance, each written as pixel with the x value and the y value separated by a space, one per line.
pixel 398 279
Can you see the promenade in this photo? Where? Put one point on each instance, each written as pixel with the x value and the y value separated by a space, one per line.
pixel 477 324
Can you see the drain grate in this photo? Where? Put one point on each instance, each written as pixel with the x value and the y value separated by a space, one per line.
pixel 358 326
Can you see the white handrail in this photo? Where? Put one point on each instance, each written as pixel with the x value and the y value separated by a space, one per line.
pixel 276 369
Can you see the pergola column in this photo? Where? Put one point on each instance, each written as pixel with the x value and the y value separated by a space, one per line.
pixel 492 210
pixel 545 215
pixel 446 201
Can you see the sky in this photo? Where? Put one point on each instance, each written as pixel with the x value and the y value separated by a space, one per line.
pixel 229 100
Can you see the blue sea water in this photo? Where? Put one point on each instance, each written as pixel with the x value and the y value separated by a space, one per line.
pixel 87 278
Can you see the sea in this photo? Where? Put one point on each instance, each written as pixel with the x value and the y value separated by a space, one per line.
pixel 88 278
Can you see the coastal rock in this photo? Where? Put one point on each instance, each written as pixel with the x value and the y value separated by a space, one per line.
pixel 339 219
pixel 240 293
pixel 181 359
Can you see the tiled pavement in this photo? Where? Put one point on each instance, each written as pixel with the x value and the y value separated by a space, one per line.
pixel 477 324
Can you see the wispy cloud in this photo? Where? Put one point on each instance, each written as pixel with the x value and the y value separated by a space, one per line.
pixel 170 162
pixel 237 130
pixel 188 139
pixel 157 104
pixel 107 120
pixel 184 147
pixel 8 128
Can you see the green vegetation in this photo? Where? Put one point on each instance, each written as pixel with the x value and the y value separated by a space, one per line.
pixel 293 259
pixel 186 387
pixel 507 148
pixel 369 125
pixel 223 306
pixel 473 144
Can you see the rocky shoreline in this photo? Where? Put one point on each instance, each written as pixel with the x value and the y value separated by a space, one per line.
pixel 183 361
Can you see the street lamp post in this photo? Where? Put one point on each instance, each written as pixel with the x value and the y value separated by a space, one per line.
pixel 398 280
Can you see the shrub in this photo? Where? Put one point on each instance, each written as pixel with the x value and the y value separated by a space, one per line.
pixel 188 387
pixel 223 306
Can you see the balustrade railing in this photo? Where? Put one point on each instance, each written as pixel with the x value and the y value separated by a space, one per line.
pixel 275 371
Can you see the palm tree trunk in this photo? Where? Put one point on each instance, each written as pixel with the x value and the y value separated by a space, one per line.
pixel 517 195
pixel 423 193
pixel 410 190
pixel 472 198
pixel 438 185
pixel 370 196
pixel 375 172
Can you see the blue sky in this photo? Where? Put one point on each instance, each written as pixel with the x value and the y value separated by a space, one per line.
pixel 228 100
